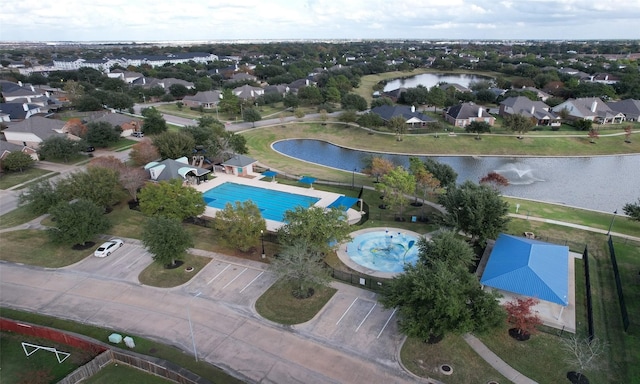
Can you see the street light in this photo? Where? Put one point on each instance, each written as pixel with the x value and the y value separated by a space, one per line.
pixel 262 240
pixel 193 340
pixel 611 224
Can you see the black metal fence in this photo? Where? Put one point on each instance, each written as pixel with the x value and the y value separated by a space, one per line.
pixel 616 275
pixel 357 279
pixel 587 279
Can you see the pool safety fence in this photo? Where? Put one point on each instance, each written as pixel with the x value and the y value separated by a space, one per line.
pixel 357 279
pixel 618 280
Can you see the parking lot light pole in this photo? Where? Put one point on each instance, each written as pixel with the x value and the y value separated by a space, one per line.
pixel 193 340
pixel 262 240
pixel 612 219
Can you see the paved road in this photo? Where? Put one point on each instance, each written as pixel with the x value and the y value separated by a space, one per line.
pixel 352 340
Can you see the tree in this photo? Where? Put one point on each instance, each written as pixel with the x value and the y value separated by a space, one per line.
pixel 627 134
pixel 353 101
pixel 446 246
pixel 166 239
pixel 395 186
pixel 324 116
pixel 478 127
pixel 58 147
pixel 101 134
pixel 173 145
pixel 171 199
pixel 495 179
pixel 316 227
pixel 96 184
pixel 439 298
pixel 299 265
pixel 77 222
pixel 132 179
pixel 477 210
pixel 436 97
pixel 73 90
pixel 583 125
pixel 633 210
pixel 378 167
pixel 518 123
pixel 593 135
pixel 17 162
pixel 143 153
pixel 251 115
pixel 178 91
pixel 40 197
pixel 153 121
pixel 443 172
pixel 108 162
pixel 426 183
pixel 76 127
pixel 582 353
pixel 522 317
pixel 398 125
pixel 298 113
pixel 240 226
pixel 290 100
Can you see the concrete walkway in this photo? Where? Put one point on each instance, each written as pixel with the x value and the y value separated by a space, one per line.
pixel 505 369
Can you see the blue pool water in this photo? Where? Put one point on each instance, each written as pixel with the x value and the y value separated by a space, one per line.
pixel 384 251
pixel 272 204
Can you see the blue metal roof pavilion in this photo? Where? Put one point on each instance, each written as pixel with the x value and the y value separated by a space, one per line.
pixel 529 267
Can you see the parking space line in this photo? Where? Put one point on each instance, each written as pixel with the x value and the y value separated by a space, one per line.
pixel 234 279
pixel 385 324
pixel 120 259
pixel 135 261
pixel 365 318
pixel 251 282
pixel 345 312
pixel 219 273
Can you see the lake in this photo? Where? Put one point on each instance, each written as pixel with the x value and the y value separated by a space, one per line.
pixel 430 79
pixel 603 183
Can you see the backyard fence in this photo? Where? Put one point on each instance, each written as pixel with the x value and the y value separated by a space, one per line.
pixel 587 279
pixel 616 275
pixel 357 279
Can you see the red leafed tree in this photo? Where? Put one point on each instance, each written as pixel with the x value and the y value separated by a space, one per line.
pixel 593 134
pixel 627 134
pixel 76 127
pixel 132 179
pixel 521 315
pixel 144 152
pixel 496 179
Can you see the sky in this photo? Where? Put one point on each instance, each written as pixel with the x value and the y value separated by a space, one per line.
pixel 215 20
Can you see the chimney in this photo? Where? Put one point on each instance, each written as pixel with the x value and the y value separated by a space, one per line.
pixel 20 83
pixel 533 109
pixel 479 111
pixel 594 106
pixel 32 89
pixel 413 109
pixel 25 106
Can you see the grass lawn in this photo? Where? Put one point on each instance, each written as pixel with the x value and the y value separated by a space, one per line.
pixel 16 217
pixel 157 275
pixel 279 305
pixel 574 215
pixel 143 346
pixel 17 367
pixel 122 373
pixel 34 247
pixel 11 179
pixel 424 360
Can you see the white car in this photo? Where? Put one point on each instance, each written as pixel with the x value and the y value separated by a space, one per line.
pixel 107 248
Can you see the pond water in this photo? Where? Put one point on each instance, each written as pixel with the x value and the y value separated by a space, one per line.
pixel 603 183
pixel 430 79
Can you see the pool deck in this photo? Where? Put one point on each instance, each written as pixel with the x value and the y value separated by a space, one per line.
pixel 343 252
pixel 259 181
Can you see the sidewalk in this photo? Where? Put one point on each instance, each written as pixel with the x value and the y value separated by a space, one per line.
pixel 505 369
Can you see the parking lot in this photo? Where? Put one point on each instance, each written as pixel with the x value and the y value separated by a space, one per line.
pixel 125 263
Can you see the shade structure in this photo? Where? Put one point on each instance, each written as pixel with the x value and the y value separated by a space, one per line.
pixel 269 173
pixel 307 180
pixel 343 201
pixel 529 267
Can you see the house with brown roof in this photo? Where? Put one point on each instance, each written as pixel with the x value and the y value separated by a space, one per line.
pixel 464 114
pixel 127 123
pixel 204 99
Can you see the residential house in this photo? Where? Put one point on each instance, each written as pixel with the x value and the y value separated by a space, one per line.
pixel 412 118
pixel 170 169
pixel 31 132
pixel 126 76
pixel 205 99
pixel 168 82
pixel 7 147
pixel 602 78
pixel 242 76
pixel 281 89
pixel 457 87
pixel 589 108
pixel 247 92
pixel 128 124
pixel 394 94
pixel 539 94
pixel 295 85
pixel 19 111
pixel 464 114
pixel 536 110
pixel 629 107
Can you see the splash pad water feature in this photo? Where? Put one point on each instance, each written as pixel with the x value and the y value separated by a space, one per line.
pixel 380 251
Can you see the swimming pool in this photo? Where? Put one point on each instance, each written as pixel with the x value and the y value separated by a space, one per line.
pixel 272 204
pixel 384 250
